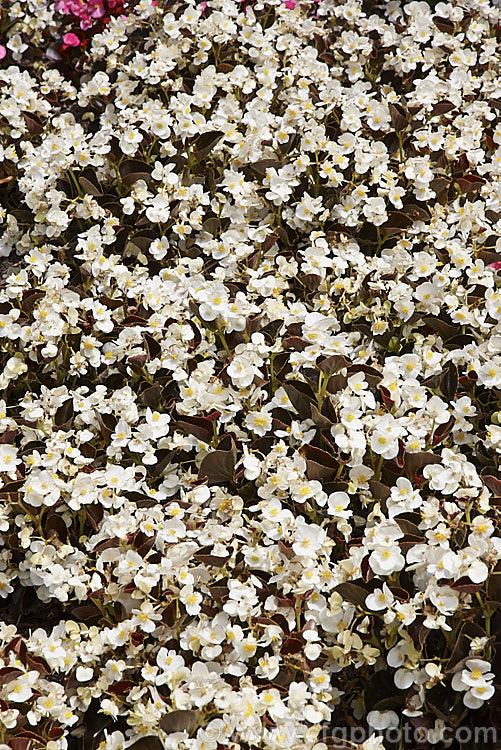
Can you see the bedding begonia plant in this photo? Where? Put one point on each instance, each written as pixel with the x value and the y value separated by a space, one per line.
pixel 250 375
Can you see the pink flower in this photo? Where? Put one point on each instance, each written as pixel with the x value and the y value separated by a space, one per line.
pixel 70 7
pixel 496 265
pixel 71 40
pixel 85 23
pixel 96 9
pixel 81 8
pixel 3 51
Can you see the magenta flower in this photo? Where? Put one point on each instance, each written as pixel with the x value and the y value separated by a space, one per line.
pixel 71 40
pixel 3 51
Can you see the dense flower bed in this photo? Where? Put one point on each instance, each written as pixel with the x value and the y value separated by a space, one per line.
pixel 250 419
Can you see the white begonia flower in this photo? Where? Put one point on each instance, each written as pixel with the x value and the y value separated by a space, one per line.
pixel 319 680
pixel 158 210
pixel 252 466
pixel 489 374
pixel 130 140
pixel 159 248
pixel 478 572
pixel 13 369
pixel 307 540
pixel 382 719
pixel 380 599
pixel 213 302
pixel 404 678
pixel 374 210
pixel 84 674
pixel 437 409
pixel 403 498
pixel 337 505
pixel 191 599
pixel 384 439
pixel 241 371
pixel 20 689
pixel 475 681
pixel 9 460
pixel 386 560
pixel 259 422
pixel 398 654
pixel 268 667
pixel 373 743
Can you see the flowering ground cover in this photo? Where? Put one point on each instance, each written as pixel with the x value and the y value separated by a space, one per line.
pixel 250 415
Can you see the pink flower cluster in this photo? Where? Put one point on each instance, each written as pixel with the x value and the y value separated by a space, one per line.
pixel 291 4
pixel 87 12
pixel 90 14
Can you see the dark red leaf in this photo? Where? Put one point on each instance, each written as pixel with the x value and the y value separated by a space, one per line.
pixel 399 117
pixel 299 395
pixel 132 170
pixel 461 650
pixel 204 143
pixel 218 466
pixel 330 365
pixel 180 721
pixel 352 593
